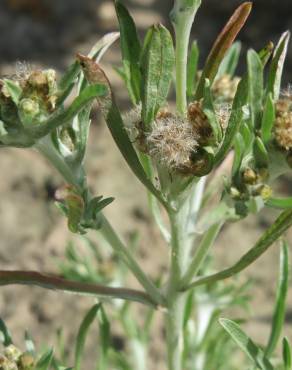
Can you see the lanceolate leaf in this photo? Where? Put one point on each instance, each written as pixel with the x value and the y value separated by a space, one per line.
pixel 246 344
pixel 45 361
pixel 268 119
pixel 230 61
pixel 115 124
pixel 234 120
pixel 5 337
pixel 282 223
pixel 82 333
pixel 68 80
pixel 256 87
pixel 280 307
pixel 276 69
pixel 287 354
pixel 157 63
pixel 192 69
pixel 280 203
pixel 222 44
pixel 131 49
pixel 208 108
pixel 266 53
pixel 260 153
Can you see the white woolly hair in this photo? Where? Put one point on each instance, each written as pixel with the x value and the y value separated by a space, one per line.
pixel 223 112
pixel 131 120
pixel 171 141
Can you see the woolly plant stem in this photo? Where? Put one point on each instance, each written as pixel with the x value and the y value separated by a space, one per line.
pixel 182 17
pixel 175 300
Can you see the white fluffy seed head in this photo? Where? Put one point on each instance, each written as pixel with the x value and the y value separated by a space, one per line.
pixel 171 141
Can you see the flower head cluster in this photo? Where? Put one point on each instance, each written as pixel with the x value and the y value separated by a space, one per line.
pixel 14 359
pixel 26 100
pixel 172 141
pixel 283 123
pixel 224 88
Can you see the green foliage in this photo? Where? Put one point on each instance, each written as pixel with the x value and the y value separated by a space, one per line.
pixel 238 122
pixel 157 63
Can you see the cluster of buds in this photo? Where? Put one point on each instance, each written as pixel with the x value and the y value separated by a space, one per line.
pixel 14 359
pixel 283 124
pixel 26 100
pixel 252 184
pixel 224 88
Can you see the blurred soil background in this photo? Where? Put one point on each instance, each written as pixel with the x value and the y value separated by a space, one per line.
pixel 33 235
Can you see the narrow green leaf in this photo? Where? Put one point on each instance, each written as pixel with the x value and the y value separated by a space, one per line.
pixel 256 87
pixel 287 354
pixel 230 61
pixel 82 334
pixel 239 146
pixel 63 116
pixel 102 45
pixel 260 153
pixel 222 44
pixel 45 361
pixel 266 53
pixel 208 108
pixel 66 83
pixel 280 203
pixel 69 78
pixel 248 137
pixel 280 307
pixel 157 63
pixel 268 119
pixel 276 68
pixel 116 126
pixel 246 344
pixel 235 120
pixel 13 89
pixel 5 336
pixel 131 50
pixel 282 223
pixel 192 69
pixel 104 327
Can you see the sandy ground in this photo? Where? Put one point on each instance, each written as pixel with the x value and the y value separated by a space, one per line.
pixel 33 235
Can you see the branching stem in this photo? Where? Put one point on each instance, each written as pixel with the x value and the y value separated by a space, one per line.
pixel 56 283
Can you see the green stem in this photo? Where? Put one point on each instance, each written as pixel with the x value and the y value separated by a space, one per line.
pixel 182 16
pixel 125 254
pixel 45 147
pixel 56 283
pixel 201 253
pixel 175 300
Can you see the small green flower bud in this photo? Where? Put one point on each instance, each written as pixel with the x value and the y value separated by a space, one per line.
pixel 26 362
pixel 249 176
pixel 29 110
pixel 30 107
pixel 234 192
pixel 264 191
